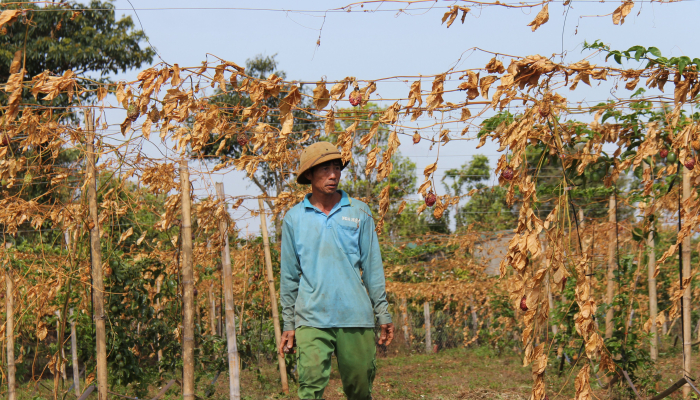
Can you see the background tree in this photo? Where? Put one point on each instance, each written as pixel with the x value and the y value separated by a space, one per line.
pixel 271 182
pixel 73 36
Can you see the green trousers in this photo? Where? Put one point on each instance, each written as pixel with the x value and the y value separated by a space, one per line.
pixel 353 347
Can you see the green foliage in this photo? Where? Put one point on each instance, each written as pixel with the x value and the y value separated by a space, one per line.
pixel 59 38
pixel 651 54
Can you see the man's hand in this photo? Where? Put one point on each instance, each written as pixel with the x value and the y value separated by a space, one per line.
pixel 287 343
pixel 387 334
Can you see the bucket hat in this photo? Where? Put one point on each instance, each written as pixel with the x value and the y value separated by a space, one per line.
pixel 316 154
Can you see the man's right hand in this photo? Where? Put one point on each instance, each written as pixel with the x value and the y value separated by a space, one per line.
pixel 287 343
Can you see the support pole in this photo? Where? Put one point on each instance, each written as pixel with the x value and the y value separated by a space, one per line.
pixel 273 297
pixel 426 318
pixel 612 243
pixel 74 354
pixel 233 360
pixel 160 352
pixel 188 285
pixel 404 320
pixel 686 274
pixel 9 331
pixel 96 265
pixel 651 280
pixel 63 349
pixel 212 310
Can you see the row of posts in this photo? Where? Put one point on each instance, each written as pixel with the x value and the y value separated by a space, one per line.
pixel 188 292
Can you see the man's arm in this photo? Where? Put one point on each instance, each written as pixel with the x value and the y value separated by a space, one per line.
pixel 290 276
pixel 373 271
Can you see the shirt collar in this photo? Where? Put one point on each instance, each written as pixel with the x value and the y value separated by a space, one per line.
pixel 344 200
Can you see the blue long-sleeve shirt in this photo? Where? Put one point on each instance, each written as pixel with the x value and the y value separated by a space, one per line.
pixel 331 266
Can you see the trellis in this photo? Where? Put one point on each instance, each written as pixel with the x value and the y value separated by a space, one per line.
pixel 167 101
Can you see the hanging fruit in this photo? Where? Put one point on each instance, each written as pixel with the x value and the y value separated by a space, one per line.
pixel 242 139
pixel 416 138
pixel 430 199
pixel 132 113
pixel 356 97
pixel 508 173
pixel 663 153
pixel 671 157
pixel 523 303
pixel 689 163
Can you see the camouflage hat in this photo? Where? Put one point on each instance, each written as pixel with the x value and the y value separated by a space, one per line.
pixel 316 154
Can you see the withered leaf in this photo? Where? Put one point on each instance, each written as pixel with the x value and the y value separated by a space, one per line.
pixel 621 12
pixel 16 62
pixel 9 16
pixel 338 90
pixel 402 206
pixel 495 67
pixel 126 234
pixel 435 98
pixel 414 96
pixel 430 169
pixel 465 114
pixel 176 76
pixel 485 84
pixel 541 18
pixel 321 95
pixel 330 122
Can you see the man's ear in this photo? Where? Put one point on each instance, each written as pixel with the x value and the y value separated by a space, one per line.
pixel 309 173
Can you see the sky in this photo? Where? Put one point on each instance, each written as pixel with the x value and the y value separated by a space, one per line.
pixel 378 41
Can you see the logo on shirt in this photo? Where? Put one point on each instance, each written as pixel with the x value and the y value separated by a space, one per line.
pixel 355 220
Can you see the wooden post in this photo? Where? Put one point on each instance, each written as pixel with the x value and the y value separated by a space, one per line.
pixel 212 310
pixel 233 360
pixel 651 280
pixel 273 296
pixel 74 354
pixel 159 281
pixel 63 349
pixel 96 257
pixel 426 318
pixel 188 286
pixel 612 247
pixel 9 331
pixel 687 327
pixel 405 321
pixel 475 319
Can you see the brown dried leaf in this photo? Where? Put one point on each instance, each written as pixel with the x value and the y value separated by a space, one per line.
pixel 621 12
pixel 402 206
pixel 435 98
pixel 321 95
pixel 541 18
pixel 16 62
pixel 9 16
pixel 485 84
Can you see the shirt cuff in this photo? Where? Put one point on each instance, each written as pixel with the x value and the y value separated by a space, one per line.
pixel 384 319
pixel 288 326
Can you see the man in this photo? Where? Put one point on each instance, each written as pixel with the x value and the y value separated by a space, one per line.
pixel 332 283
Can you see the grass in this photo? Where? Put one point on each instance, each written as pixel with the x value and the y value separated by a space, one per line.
pixel 465 374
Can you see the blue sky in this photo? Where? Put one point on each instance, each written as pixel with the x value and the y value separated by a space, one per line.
pixel 383 42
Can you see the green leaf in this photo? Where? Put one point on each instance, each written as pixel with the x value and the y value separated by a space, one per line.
pixel 618 58
pixel 654 51
pixel 681 65
pixel 639 54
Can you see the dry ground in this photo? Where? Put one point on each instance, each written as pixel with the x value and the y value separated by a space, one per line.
pixel 467 374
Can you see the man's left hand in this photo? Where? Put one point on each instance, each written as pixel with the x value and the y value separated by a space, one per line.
pixel 387 334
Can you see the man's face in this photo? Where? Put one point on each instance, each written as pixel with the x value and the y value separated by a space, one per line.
pixel 325 177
